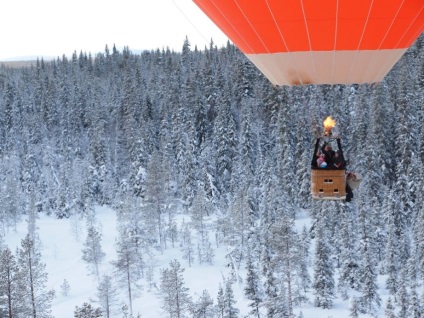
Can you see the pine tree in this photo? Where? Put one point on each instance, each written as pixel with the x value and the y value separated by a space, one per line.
pixel 402 296
pixel 107 296
pixel 287 257
pixel 323 282
pixel 65 288
pixel 349 268
pixel 220 306
pixel 419 239
pixel 370 298
pixel 415 309
pixel 304 246
pixel 205 253
pixel 134 228
pixel 128 268
pixel 246 157
pixel 241 210
pixel 272 301
pixel 32 218
pixel 389 311
pixel 391 259
pixel 172 229
pixel 187 246
pixel 203 308
pixel 10 299
pixel 406 141
pixel 225 142
pixel 354 308
pixel 200 210
pixel 156 198
pixel 229 310
pixel 92 251
pixel 175 297
pixel 10 216
pixel 35 298
pixel 87 311
pixel 252 289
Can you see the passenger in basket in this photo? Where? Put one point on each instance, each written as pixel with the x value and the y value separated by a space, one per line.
pixel 338 160
pixel 321 161
pixel 328 152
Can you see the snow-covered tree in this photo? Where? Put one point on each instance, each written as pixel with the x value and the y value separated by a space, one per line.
pixel 323 281
pixel 107 296
pixel 128 268
pixel 35 298
pixel 87 311
pixel 389 310
pixel 92 252
pixel 354 308
pixel 175 297
pixel 252 290
pixel 230 311
pixel 10 298
pixel 220 303
pixel 187 246
pixel 203 307
pixel 65 288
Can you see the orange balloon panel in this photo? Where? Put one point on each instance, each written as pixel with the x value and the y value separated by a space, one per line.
pixel 320 41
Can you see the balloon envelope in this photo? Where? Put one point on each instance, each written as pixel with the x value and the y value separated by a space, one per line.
pixel 296 42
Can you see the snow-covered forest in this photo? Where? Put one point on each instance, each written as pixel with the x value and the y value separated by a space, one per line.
pixel 197 150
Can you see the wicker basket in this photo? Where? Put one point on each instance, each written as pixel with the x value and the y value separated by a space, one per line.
pixel 328 184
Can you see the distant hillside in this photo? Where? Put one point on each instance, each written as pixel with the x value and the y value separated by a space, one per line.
pixel 18 64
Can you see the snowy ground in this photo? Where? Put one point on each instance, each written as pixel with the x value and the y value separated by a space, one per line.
pixel 61 251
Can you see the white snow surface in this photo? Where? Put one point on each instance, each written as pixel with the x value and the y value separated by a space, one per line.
pixel 62 251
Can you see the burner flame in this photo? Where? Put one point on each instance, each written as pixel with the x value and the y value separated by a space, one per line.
pixel 329 123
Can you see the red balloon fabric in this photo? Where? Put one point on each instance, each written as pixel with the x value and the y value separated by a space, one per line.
pixel 295 42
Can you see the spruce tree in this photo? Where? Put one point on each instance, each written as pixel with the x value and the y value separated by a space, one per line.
pixel 389 310
pixel 156 198
pixel 65 288
pixel 323 281
pixel 370 299
pixel 187 246
pixel 230 311
pixel 10 285
pixel 391 260
pixel 92 251
pixel 87 311
pixel 107 296
pixel 175 297
pixel 128 268
pixel 220 302
pixel 354 308
pixel 415 309
pixel 203 307
pixel 252 290
pixel 402 295
pixel 35 298
pixel 349 268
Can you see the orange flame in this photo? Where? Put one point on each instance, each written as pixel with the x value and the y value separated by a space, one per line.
pixel 329 123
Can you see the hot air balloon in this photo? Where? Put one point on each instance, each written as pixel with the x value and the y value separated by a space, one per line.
pixel 295 42
pixel 328 182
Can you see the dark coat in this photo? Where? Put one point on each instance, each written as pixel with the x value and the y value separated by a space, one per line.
pixel 329 154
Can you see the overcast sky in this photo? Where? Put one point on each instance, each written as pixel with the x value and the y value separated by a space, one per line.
pixel 51 28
